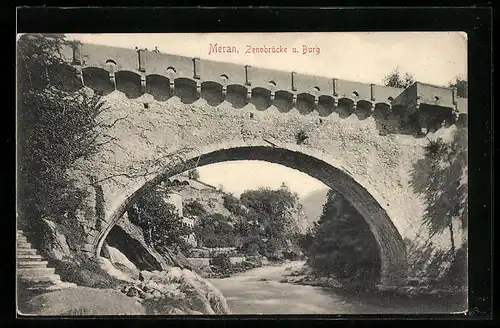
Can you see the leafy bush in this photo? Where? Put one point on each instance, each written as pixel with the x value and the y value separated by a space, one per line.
pixel 194 208
pixel 161 224
pixel 56 128
pixel 436 267
pixel 396 80
pixel 233 205
pixel 341 244
pixel 194 174
pixel 221 261
pixel 84 272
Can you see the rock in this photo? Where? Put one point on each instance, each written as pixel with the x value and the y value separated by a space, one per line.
pixel 132 292
pixel 56 245
pixel 145 275
pixel 182 287
pixel 115 256
pixel 107 266
pixel 83 301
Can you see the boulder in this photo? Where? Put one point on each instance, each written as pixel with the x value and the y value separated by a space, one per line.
pixel 129 239
pixel 110 269
pixel 54 243
pixel 183 290
pixel 115 256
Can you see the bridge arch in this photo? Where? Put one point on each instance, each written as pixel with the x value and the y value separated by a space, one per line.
pixel 316 164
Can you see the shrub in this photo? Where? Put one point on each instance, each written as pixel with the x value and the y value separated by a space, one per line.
pixel 221 261
pixel 85 272
pixel 435 267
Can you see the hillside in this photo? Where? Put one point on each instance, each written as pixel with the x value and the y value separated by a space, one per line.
pixel 212 200
pixel 312 204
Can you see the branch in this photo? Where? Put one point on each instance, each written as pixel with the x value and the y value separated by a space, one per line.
pixel 113 124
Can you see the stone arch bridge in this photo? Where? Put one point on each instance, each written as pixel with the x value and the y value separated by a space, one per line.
pixel 170 113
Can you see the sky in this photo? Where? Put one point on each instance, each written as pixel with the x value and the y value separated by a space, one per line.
pixel 431 57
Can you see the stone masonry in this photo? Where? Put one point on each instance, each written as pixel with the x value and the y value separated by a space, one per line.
pixel 168 114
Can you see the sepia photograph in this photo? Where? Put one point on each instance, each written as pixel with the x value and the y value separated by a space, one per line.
pixel 242 173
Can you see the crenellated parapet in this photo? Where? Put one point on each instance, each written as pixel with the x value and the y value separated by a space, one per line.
pixel 141 71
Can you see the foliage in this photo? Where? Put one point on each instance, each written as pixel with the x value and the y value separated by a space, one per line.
pixel 436 267
pixel 301 136
pixel 194 174
pixel 233 205
pixel 214 231
pixel 261 222
pixel 462 87
pixel 396 80
pixel 84 272
pixel 159 220
pixel 271 219
pixel 341 243
pixel 55 129
pixel 221 262
pixel 441 178
pixel 194 208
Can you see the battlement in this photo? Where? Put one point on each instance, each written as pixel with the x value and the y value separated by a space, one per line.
pixel 148 65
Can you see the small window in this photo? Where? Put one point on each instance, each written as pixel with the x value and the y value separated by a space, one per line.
pixel 390 99
pixel 436 98
pixel 224 77
pixel 110 62
pixel 355 93
pixel 272 83
pixel 171 69
pixel 316 89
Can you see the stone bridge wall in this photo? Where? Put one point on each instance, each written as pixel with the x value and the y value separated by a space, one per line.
pixel 142 136
pixel 365 150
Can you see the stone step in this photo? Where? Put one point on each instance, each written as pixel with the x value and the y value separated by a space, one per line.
pixel 30 257
pixel 35 271
pixel 23 245
pixel 46 278
pixel 32 264
pixel 26 251
pixel 21 239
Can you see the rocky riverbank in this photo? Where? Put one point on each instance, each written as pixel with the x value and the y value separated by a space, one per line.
pixel 176 291
pixel 306 276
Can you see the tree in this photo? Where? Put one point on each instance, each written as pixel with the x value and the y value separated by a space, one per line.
pixel 161 224
pixel 194 174
pixel 55 129
pixel 341 243
pixel 444 184
pixel 233 205
pixel 462 87
pixel 194 208
pixel 396 80
pixel 272 212
pixel 215 231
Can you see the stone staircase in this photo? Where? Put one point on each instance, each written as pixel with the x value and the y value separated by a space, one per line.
pixel 32 271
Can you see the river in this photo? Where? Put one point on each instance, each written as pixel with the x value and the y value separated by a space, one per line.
pixel 258 291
